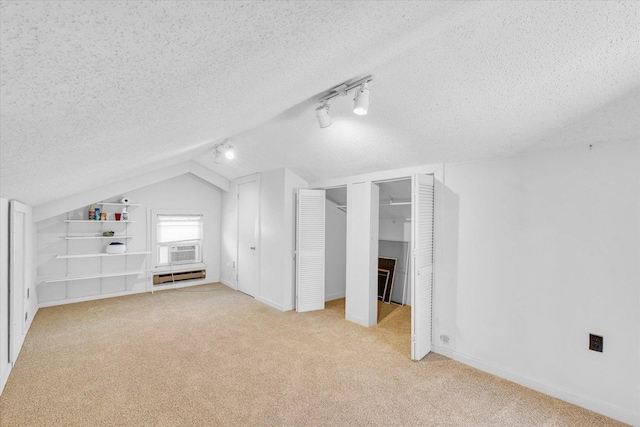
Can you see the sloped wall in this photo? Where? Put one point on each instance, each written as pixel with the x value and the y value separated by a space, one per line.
pixel 182 193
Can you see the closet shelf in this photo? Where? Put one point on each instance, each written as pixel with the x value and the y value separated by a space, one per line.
pixel 97 222
pixel 95 237
pixel 101 255
pixel 96 276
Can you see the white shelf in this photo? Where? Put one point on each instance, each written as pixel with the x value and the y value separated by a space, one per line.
pixel 97 222
pixel 95 237
pixel 97 276
pixel 117 204
pixel 101 255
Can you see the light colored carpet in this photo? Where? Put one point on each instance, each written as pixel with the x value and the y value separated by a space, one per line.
pixel 210 356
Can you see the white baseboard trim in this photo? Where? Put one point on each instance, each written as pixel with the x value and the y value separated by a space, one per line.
pixel 4 376
pixel 331 297
pixel 228 284
pixel 270 303
pixel 90 298
pixel 604 408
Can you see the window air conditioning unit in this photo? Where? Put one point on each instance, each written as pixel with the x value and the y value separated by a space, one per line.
pixel 183 254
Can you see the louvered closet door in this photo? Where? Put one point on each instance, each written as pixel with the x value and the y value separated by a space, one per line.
pixel 310 250
pixel 422 269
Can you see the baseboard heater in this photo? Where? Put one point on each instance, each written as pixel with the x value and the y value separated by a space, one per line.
pixel 159 279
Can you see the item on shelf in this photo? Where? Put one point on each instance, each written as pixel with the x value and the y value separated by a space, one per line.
pixel 103 216
pixel 117 216
pixel 92 212
pixel 125 214
pixel 97 215
pixel 108 233
pixel 124 200
pixel 116 248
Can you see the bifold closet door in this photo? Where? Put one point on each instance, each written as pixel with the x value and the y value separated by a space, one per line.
pixel 310 242
pixel 422 267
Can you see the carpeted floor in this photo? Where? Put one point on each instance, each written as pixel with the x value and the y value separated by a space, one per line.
pixel 208 356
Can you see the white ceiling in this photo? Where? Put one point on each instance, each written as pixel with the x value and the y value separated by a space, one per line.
pixel 95 92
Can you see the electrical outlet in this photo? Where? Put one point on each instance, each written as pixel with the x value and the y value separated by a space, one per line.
pixel 596 343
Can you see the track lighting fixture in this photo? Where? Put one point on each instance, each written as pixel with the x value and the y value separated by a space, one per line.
pixel 360 101
pixel 322 113
pixel 223 148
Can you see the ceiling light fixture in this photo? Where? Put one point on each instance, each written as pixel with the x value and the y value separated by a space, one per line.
pixel 224 147
pixel 360 101
pixel 322 113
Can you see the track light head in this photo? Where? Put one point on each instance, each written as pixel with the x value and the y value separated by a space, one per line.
pixel 216 157
pixel 229 153
pixel 361 100
pixel 322 114
pixel 223 148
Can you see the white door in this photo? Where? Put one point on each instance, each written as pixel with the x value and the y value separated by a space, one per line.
pixel 18 286
pixel 248 204
pixel 310 228
pixel 422 203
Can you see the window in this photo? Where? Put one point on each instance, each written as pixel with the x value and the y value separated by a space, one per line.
pixel 178 239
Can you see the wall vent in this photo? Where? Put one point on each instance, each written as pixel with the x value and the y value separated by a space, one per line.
pixel 159 279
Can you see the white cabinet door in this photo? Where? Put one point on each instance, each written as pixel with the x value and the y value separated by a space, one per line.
pixel 18 277
pixel 310 239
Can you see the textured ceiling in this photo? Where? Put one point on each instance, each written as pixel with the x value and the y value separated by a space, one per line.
pixel 94 92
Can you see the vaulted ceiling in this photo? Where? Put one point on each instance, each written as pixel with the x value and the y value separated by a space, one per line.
pixel 96 92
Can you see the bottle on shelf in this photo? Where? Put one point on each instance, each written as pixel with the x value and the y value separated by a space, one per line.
pixel 92 212
pixel 125 214
pixel 97 214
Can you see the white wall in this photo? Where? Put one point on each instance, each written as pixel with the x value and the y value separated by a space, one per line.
pixel 181 193
pixel 189 193
pixel 335 271
pixel 276 245
pixel 361 304
pixel 5 366
pixel 273 239
pixel 540 251
pixel 394 230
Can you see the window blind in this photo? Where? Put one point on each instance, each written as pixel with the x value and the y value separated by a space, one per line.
pixel 177 228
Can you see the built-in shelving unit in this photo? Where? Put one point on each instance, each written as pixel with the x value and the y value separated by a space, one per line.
pixel 101 255
pixel 79 235
pixel 117 204
pixel 96 221
pixel 96 237
pixel 96 276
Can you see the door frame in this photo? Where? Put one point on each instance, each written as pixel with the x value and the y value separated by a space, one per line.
pixel 256 271
pixel 438 172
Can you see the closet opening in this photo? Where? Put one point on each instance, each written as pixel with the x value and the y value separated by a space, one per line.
pixel 394 258
pixel 336 248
